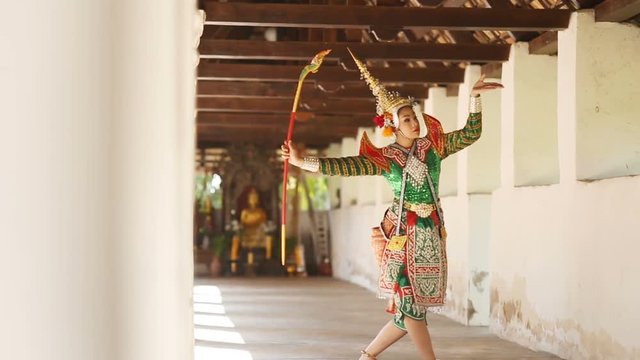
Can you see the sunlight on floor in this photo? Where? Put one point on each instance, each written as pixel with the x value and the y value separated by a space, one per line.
pixel 208 353
pixel 207 294
pixel 208 318
pixel 225 336
pixel 212 320
pixel 208 308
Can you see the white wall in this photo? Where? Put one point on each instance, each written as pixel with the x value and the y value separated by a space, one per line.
pixel 563 256
pixel 351 253
pixel 564 268
pixel 96 154
pixel 605 86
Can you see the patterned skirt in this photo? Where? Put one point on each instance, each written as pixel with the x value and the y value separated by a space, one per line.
pixel 415 274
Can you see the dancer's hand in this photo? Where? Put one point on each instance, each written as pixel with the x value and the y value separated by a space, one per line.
pixel 480 86
pixel 290 153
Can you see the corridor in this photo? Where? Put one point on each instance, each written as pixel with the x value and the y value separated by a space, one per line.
pixel 320 319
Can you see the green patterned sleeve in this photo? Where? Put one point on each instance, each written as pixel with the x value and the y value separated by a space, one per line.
pixel 460 139
pixel 349 166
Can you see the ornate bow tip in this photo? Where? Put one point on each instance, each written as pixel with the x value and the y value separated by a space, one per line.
pixel 317 60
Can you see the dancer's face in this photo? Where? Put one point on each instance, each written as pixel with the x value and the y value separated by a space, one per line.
pixel 409 124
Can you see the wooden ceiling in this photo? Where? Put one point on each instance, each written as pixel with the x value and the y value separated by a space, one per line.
pixel 252 52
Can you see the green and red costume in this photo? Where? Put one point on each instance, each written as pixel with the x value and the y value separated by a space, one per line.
pixel 415 275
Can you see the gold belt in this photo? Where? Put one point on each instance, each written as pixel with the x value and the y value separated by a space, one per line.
pixel 422 210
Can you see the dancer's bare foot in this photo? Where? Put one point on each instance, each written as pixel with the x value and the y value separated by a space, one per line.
pixel 366 355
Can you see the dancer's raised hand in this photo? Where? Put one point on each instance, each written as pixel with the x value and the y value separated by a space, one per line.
pixel 480 86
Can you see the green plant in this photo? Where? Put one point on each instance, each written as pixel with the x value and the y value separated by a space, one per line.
pixel 220 243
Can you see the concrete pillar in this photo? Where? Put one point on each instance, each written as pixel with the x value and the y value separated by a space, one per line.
pixel 478 176
pixel 55 252
pixel 483 159
pixel 366 185
pixel 597 82
pixel 334 182
pixel 151 165
pixel 529 118
pixel 471 75
pixel 383 192
pixel 96 147
pixel 349 184
pixel 444 108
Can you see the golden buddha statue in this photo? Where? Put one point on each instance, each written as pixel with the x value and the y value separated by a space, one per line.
pixel 253 235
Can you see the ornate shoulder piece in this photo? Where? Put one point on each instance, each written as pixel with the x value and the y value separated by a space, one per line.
pixel 372 153
pixel 435 134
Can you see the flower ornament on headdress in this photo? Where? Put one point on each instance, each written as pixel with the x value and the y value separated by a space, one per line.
pixel 385 121
pixel 387 102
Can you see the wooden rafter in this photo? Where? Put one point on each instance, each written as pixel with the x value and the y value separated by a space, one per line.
pixel 250 72
pixel 266 138
pixel 278 130
pixel 545 44
pixel 310 90
pixel 617 10
pixel 301 50
pixel 352 120
pixel 335 16
pixel 283 106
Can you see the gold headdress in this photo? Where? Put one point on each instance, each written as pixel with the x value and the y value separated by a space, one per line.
pixel 387 102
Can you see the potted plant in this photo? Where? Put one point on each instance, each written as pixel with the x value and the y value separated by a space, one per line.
pixel 218 247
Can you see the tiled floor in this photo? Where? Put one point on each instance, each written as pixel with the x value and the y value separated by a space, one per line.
pixel 318 318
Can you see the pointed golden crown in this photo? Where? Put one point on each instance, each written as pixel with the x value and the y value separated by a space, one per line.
pixel 386 101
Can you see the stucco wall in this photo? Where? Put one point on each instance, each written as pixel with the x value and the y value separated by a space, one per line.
pixel 564 268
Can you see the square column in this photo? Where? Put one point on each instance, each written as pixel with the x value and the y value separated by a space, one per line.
pixel 333 182
pixel 383 192
pixel 365 184
pixel 349 184
pixel 445 109
pixel 529 119
pixel 598 103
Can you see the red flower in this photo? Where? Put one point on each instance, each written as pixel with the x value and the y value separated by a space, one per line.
pixel 379 120
pixel 382 120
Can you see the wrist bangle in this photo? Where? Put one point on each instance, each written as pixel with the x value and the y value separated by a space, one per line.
pixel 310 164
pixel 475 104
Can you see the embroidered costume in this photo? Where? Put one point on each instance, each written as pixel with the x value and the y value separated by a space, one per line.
pixel 412 273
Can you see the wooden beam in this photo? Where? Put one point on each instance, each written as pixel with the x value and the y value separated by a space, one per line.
pixel 283 106
pixel 302 50
pixel 452 90
pixel 453 3
pixel 287 90
pixel 221 143
pixel 545 44
pixel 352 120
pixel 251 72
pixel 587 4
pixel 617 10
pixel 263 129
pixel 268 138
pixel 507 5
pixel 337 16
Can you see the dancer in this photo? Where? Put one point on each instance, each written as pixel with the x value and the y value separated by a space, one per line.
pixel 413 262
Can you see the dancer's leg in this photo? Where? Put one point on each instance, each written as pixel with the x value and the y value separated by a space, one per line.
pixel 419 334
pixel 388 335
